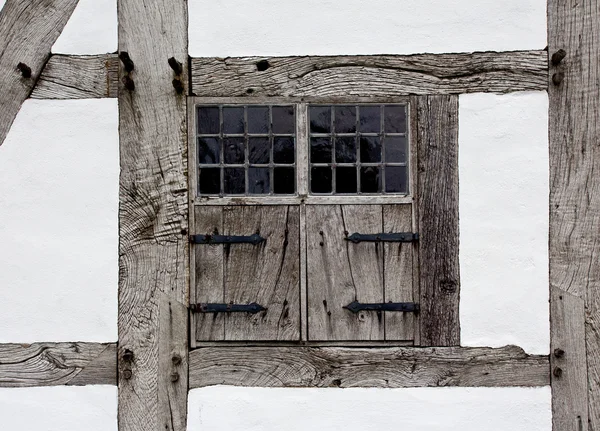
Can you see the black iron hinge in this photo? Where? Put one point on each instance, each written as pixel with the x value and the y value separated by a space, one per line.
pixel 252 308
pixel 383 237
pixel 226 239
pixel 407 307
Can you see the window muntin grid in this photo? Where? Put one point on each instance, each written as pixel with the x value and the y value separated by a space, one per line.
pixel 358 149
pixel 246 150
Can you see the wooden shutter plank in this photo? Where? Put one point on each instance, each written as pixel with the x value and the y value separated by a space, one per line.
pixel 267 273
pixel 340 272
pixel 208 273
pixel 437 204
pixel 28 29
pixel 398 267
pixel 153 214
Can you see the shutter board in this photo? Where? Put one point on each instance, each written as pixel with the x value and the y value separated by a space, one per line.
pixel 340 272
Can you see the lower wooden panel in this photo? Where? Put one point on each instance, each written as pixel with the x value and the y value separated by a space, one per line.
pixel 394 367
pixel 53 364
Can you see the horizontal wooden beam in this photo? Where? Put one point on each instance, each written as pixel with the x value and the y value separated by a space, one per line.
pixel 375 75
pixel 53 364
pixel 393 367
pixel 78 77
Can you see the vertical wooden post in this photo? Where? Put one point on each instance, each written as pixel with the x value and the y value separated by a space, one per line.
pixel 574 134
pixel 153 291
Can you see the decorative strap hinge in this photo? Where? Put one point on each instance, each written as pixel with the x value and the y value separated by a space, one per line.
pixel 407 307
pixel 252 308
pixel 383 237
pixel 226 239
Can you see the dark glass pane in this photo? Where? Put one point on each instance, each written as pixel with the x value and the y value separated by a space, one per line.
pixel 208 120
pixel 369 179
pixel 258 181
pixel 394 118
pixel 345 119
pixel 283 119
pixel 235 181
pixel 320 150
pixel 370 119
pixel 370 149
pixel 395 179
pixel 233 150
pixel 208 150
pixel 320 180
pixel 284 181
pixel 283 150
pixel 210 181
pixel 320 119
pixel 395 149
pixel 233 119
pixel 258 119
pixel 345 179
pixel 258 150
pixel 345 149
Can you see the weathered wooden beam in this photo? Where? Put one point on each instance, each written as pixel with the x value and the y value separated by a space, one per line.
pixel 28 29
pixel 574 134
pixel 153 214
pixel 52 364
pixel 375 75
pixel 392 367
pixel 437 218
pixel 78 77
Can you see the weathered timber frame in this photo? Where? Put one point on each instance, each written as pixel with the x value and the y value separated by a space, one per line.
pixel 152 360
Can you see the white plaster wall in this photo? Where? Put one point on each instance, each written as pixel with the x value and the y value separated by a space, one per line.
pixel 59 408
pixel 221 408
pixel 320 27
pixel 92 29
pixel 59 170
pixel 503 194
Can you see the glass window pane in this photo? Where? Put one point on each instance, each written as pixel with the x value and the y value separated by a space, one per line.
pixel 396 179
pixel 283 119
pixel 345 149
pixel 233 119
pixel 258 181
pixel 208 120
pixel 258 119
pixel 210 181
pixel 258 150
pixel 345 119
pixel 209 150
pixel 320 180
pixel 233 150
pixel 370 119
pixel 283 150
pixel 235 181
pixel 370 179
pixel 345 179
pixel 284 181
pixel 320 119
pixel 395 149
pixel 394 119
pixel 320 150
pixel 370 149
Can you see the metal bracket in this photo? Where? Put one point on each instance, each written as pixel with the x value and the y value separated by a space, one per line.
pixel 226 239
pixel 407 307
pixel 227 308
pixel 383 237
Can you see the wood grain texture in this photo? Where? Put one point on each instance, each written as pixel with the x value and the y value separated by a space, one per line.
pixel 52 364
pixel 437 214
pixel 375 75
pixel 28 29
pixel 574 133
pixel 78 77
pixel 153 219
pixel 393 367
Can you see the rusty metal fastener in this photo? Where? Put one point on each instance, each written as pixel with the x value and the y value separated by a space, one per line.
pixel 128 83
pixel 559 353
pixel 557 372
pixel 557 78
pixel 174 377
pixel 24 69
pixel 127 355
pixel 127 374
pixel 178 85
pixel 175 65
pixel 176 359
pixel 558 56
pixel 127 61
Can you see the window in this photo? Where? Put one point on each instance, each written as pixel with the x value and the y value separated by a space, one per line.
pixel 303 222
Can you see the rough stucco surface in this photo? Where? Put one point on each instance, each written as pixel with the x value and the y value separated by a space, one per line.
pixel 59 171
pixel 320 27
pixel 92 29
pixel 60 408
pixel 504 188
pixel 424 409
